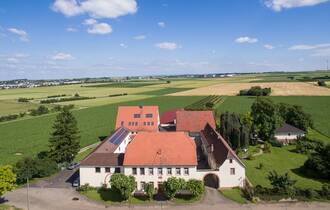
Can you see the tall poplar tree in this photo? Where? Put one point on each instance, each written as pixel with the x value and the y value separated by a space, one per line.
pixel 64 142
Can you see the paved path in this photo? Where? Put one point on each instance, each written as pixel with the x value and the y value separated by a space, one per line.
pixel 61 199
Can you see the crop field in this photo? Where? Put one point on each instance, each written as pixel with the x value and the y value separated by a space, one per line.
pixel 203 104
pixel 278 89
pixel 29 136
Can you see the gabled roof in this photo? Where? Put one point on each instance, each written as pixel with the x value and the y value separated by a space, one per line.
pixel 285 128
pixel 169 116
pixel 194 121
pixel 138 118
pixel 161 149
pixel 103 154
pixel 221 149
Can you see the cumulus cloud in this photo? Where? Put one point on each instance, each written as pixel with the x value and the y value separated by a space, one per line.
pixel 246 39
pixel 167 45
pixel 123 45
pixel 97 28
pixel 62 56
pixel 140 37
pixel 269 46
pixel 23 36
pixel 279 5
pixel 161 24
pixel 96 8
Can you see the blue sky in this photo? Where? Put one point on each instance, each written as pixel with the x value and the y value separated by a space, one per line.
pixel 93 38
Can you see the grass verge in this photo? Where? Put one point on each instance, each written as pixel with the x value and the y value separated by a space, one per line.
pixel 234 194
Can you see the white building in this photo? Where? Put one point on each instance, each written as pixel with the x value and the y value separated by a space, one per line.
pixel 153 157
pixel 288 133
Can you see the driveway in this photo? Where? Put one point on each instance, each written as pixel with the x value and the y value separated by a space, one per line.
pixel 62 179
pixel 62 198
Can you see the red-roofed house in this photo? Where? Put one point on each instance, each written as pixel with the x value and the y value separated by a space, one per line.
pixel 169 118
pixel 138 118
pixel 194 121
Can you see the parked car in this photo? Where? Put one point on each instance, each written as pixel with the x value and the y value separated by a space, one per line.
pixel 76 182
pixel 72 166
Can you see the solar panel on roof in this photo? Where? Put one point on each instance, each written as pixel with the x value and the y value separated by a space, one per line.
pixel 118 136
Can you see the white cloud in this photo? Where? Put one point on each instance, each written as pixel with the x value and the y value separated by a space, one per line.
pixel 62 56
pixel 161 24
pixel 309 47
pixel 318 50
pixel 123 45
pixel 279 5
pixel 90 21
pixel 269 46
pixel 167 45
pixel 70 29
pixel 12 60
pixel 96 8
pixel 140 37
pixel 23 36
pixel 246 39
pixel 100 28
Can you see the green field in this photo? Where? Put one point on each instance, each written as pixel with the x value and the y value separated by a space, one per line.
pixel 281 160
pixel 29 136
pixel 317 106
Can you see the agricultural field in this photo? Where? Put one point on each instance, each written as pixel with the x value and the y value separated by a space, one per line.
pixel 30 136
pixel 278 89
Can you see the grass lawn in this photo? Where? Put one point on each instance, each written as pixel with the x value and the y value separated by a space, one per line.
pixel 317 106
pixel 82 155
pixel 234 194
pixel 281 160
pixel 313 134
pixel 7 207
pixel 30 136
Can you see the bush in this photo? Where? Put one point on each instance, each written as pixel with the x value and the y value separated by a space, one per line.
pixel 39 111
pixel 306 145
pixel 8 117
pixel 256 91
pixel 267 147
pixel 84 188
pixel 326 190
pixel 318 164
pixel 195 187
pixel 275 143
pixel 281 183
pixel 24 100
pixel 172 186
pixel 124 185
pixel 321 83
pixel 311 194
pixel 150 190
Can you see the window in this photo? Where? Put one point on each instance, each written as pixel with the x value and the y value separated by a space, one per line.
pixel 148 115
pixel 107 169
pixel 142 185
pixel 178 171
pixel 152 123
pixel 144 123
pixel 148 123
pixel 232 171
pixel 186 171
pixel 142 171
pixel 97 170
pixel 134 172
pixel 151 171
pixel 137 116
pixel 117 170
pixel 160 171
pixel 169 171
pixel 230 160
pixel 122 123
pixel 136 123
pixel 129 123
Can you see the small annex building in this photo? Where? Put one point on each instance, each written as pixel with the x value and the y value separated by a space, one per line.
pixel 288 133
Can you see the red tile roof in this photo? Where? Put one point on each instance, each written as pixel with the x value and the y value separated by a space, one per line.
pixel 194 121
pixel 161 148
pixel 168 117
pixel 138 118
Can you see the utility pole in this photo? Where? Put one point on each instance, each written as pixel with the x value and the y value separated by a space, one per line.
pixel 327 64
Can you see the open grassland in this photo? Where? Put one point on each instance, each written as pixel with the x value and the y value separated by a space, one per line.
pixel 30 136
pixel 317 106
pixel 14 107
pixel 283 160
pixel 278 89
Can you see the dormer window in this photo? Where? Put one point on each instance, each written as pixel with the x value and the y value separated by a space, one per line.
pixel 137 116
pixel 148 115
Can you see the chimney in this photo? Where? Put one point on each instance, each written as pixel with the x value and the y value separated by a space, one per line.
pixel 212 148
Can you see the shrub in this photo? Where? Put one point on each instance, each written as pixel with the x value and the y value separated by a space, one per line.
pixel 326 190
pixel 172 186
pixel 24 100
pixel 124 185
pixel 8 117
pixel 321 83
pixel 267 147
pixel 318 164
pixel 195 187
pixel 25 169
pixel 256 91
pixel 311 194
pixel 150 190
pixel 306 145
pixel 39 111
pixel 275 143
pixel 281 183
pixel 84 188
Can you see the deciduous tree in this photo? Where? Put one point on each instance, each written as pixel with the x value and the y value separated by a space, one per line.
pixel 7 179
